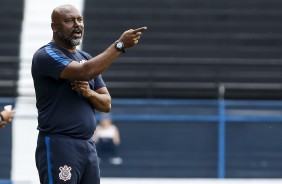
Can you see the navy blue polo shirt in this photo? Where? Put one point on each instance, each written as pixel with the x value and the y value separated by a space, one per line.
pixel 61 110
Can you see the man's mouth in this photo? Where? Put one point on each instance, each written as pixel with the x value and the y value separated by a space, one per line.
pixel 77 33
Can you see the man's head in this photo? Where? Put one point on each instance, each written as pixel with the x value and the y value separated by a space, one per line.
pixel 67 25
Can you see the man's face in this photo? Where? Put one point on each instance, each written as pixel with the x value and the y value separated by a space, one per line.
pixel 70 28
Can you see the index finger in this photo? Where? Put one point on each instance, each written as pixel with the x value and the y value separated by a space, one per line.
pixel 140 29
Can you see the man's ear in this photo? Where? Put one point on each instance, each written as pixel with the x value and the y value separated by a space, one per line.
pixel 54 26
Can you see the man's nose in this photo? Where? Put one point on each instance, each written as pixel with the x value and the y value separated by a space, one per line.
pixel 77 22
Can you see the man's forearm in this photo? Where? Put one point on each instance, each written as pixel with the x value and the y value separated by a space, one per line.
pixel 100 63
pixel 101 102
pixel 97 65
pixel 92 68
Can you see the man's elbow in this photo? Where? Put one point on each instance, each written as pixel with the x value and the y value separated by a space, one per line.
pixel 89 73
pixel 108 108
pixel 87 76
pixel 109 104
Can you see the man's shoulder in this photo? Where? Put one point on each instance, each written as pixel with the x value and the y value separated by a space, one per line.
pixel 42 49
pixel 39 52
pixel 48 47
pixel 48 50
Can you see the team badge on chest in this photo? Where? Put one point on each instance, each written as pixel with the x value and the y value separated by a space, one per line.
pixel 65 173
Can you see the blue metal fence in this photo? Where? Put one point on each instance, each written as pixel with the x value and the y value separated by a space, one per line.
pixel 217 111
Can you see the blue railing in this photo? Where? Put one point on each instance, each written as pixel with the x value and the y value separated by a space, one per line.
pixel 5 181
pixel 219 111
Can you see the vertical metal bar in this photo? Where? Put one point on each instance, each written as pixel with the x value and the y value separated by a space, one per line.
pixel 221 140
pixel 221 131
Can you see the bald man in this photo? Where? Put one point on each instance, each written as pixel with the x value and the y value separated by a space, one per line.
pixel 69 88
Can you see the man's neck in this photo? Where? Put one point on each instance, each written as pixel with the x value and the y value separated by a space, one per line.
pixel 64 46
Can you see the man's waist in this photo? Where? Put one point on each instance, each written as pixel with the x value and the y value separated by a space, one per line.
pixel 44 134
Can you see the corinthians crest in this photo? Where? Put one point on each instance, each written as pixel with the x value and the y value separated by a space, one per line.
pixel 65 173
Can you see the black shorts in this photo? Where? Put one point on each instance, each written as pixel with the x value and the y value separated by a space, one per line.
pixel 66 160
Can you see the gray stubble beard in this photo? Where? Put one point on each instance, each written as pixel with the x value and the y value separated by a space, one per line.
pixel 69 41
pixel 75 42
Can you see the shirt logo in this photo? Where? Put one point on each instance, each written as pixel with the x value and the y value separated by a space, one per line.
pixel 65 173
pixel 82 61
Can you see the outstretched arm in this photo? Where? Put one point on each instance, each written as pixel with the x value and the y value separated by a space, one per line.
pixel 98 64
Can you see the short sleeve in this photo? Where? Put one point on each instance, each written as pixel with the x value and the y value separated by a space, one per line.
pixel 50 61
pixel 99 82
